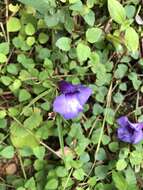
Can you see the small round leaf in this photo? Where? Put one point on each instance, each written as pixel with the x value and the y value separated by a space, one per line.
pixel 93 35
pixel 64 43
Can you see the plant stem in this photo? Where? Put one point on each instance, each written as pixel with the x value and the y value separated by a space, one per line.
pixel 60 133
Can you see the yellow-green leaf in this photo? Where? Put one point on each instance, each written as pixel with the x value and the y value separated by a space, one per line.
pixel 131 39
pixel 117 11
pixel 13 24
pixel 20 137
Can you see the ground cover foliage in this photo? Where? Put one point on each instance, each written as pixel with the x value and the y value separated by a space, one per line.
pixel 97 43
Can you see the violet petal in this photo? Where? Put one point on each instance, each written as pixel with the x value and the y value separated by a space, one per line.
pixel 137 137
pixel 124 134
pixel 83 95
pixel 129 132
pixel 66 87
pixel 123 121
pixel 67 105
pixel 136 126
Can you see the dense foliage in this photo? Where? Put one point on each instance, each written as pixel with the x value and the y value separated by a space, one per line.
pixel 97 43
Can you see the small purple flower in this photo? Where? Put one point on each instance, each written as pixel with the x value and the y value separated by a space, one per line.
pixel 71 100
pixel 129 132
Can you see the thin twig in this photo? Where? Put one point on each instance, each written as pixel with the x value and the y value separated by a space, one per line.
pixel 22 166
pixel 93 126
pixel 3 31
pixel 137 103
pixel 6 14
pixel 65 186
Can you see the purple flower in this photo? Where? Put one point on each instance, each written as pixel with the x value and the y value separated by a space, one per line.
pixel 71 100
pixel 129 132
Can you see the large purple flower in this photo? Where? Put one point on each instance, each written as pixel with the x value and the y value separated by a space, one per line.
pixel 129 132
pixel 71 100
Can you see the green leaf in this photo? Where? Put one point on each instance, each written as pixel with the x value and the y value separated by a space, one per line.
pixel 29 29
pixel 12 69
pixel 95 136
pixel 33 121
pixel 105 139
pixel 45 130
pixel 101 171
pixel 26 62
pixel 83 143
pixel 43 38
pixel 123 86
pixel 73 1
pixel 20 188
pixel 64 43
pixel 3 123
pixel 30 184
pixel 101 155
pixel 43 53
pixel 98 68
pixel 2 114
pixel 136 157
pixel 130 176
pixel 6 80
pixel 30 40
pixel 124 152
pixel 121 71
pixel 90 3
pixel 14 8
pixel 134 78
pixel 52 184
pixel 13 111
pixel 19 42
pixel 79 174
pixel 118 98
pixel 121 164
pixel 93 35
pixel 42 6
pixel 117 11
pixel 130 11
pixel 119 181
pixel 109 115
pixel 25 151
pixel 101 93
pixel 97 109
pixel 113 146
pixel 24 95
pixel 92 181
pixel 61 171
pixel 77 6
pixel 3 58
pixel 7 152
pixel 69 24
pixel 39 164
pixel 51 20
pixel 89 18
pixel 4 48
pixel 39 152
pixel 15 85
pixel 131 39
pixel 13 24
pixel 84 158
pixel 45 106
pixel 20 137
pixel 83 52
